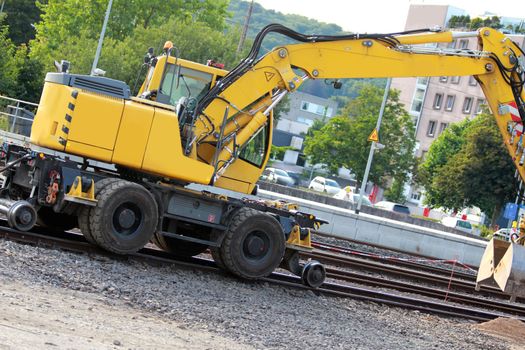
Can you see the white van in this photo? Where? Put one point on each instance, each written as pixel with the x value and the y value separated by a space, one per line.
pixel 457 223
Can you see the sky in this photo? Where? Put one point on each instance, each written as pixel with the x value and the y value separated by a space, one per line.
pixel 383 16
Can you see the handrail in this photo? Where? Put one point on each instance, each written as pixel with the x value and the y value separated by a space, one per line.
pixel 17 100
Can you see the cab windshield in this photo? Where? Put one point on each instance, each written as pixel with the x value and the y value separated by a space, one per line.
pixel 180 82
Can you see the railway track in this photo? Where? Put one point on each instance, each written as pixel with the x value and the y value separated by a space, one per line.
pixel 466 272
pixel 75 242
pixel 442 277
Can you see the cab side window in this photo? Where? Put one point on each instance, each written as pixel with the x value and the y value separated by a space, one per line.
pixel 255 150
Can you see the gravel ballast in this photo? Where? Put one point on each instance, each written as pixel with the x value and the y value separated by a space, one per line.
pixel 251 314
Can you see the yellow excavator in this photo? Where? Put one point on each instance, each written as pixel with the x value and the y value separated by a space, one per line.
pixel 125 161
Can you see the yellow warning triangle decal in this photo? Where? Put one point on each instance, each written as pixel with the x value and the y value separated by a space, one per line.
pixel 269 75
pixel 374 136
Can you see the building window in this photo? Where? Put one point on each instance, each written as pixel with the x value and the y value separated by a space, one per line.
pixel 438 101
pixel 450 102
pixel 417 102
pixel 415 196
pixel 467 105
pixel 423 155
pixel 317 109
pixel 479 105
pixel 455 79
pixel 442 127
pixel 463 44
pixel 431 128
pixel 422 81
pixel 443 79
pixel 472 81
pixel 306 121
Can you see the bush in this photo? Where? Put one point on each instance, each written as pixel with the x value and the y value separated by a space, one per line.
pixel 484 231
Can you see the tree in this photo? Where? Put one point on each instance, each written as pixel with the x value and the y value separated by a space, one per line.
pixel 281 109
pixel 72 27
pixel 476 23
pixel 342 142
pixel 8 63
pixel 21 16
pixel 492 22
pixel 459 21
pixel 441 150
pixel 70 30
pixel 395 193
pixel 28 81
pixel 475 170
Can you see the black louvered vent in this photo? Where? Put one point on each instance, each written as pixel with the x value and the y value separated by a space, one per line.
pixel 102 85
pixel 105 86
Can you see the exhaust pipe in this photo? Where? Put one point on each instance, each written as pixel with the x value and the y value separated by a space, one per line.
pixel 503 266
pixel 21 215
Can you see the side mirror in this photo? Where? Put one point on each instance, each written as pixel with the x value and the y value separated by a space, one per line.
pixel 62 67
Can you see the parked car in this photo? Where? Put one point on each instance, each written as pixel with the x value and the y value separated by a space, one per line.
pixel 321 184
pixel 296 177
pixel 277 176
pixel 457 223
pixel 506 234
pixel 391 206
pixel 354 199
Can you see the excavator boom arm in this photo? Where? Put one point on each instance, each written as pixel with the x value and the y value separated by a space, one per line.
pixel 498 65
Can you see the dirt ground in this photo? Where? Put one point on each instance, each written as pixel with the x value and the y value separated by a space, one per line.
pixel 508 329
pixel 39 317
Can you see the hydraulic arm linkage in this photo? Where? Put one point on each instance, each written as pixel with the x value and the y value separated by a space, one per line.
pixel 242 95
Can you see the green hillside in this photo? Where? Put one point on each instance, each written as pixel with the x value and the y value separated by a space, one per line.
pixel 262 17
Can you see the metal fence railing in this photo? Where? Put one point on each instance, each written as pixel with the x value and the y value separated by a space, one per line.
pixel 16 116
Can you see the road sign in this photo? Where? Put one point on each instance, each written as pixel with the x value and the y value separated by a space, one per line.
pixel 374 136
pixel 510 212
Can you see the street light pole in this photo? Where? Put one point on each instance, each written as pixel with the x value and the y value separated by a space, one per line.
pixel 101 39
pixel 373 146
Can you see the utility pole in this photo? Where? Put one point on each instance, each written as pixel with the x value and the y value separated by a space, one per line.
pixel 245 28
pixel 101 39
pixel 2 7
pixel 373 147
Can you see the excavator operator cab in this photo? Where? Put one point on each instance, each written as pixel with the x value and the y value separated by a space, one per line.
pixel 176 82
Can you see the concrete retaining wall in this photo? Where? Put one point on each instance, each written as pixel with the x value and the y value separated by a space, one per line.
pixel 388 233
pixel 320 198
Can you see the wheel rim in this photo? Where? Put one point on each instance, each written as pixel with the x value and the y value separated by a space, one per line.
pixel 127 219
pixel 256 246
pixel 314 274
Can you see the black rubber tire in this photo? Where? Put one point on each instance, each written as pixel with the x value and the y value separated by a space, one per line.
pixel 85 211
pixel 60 222
pixel 177 246
pixel 216 255
pixel 252 232
pixel 132 203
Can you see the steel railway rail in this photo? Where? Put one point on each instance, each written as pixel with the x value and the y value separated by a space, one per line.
pixel 75 242
pixel 412 263
pixel 450 281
